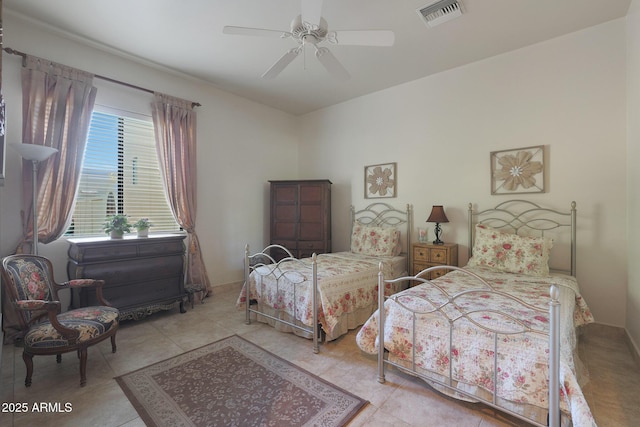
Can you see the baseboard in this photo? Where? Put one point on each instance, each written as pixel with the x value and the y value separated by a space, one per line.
pixel 603 330
pixel 635 352
pixel 226 287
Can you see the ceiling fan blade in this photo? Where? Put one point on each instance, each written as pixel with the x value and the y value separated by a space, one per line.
pixel 246 31
pixel 312 11
pixel 363 37
pixel 281 63
pixel 333 66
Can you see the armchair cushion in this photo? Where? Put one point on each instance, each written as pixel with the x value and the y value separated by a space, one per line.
pixel 90 322
pixel 33 283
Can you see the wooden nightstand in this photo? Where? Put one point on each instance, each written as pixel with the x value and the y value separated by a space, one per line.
pixel 427 255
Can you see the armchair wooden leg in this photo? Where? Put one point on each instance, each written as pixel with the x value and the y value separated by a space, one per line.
pixel 28 361
pixel 83 366
pixel 113 343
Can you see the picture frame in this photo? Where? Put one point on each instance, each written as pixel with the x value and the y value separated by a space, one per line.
pixel 518 171
pixel 380 181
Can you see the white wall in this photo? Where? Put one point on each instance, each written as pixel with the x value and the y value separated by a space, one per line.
pixel 241 145
pixel 633 154
pixel 567 94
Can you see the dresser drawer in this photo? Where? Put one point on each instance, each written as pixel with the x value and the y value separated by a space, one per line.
pixel 418 267
pixel 161 248
pixel 438 255
pixel 130 271
pixel 135 294
pixel 420 254
pixel 437 273
pixel 103 253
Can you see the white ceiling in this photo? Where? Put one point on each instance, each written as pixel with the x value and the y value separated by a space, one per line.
pixel 186 35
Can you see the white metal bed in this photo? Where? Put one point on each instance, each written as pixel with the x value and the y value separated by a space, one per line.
pixel 462 311
pixel 298 287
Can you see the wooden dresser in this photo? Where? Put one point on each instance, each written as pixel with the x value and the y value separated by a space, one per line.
pixel 427 255
pixel 301 216
pixel 142 275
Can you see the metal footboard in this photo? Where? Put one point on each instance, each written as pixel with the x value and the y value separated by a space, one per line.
pixel 447 307
pixel 287 272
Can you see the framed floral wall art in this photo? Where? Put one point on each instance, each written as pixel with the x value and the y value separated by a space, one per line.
pixel 380 181
pixel 518 171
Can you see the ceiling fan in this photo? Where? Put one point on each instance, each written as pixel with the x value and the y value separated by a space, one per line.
pixel 309 28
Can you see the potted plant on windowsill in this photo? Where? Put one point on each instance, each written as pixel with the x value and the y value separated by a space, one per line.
pixel 142 225
pixel 117 225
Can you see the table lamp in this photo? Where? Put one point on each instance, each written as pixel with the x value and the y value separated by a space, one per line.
pixel 437 216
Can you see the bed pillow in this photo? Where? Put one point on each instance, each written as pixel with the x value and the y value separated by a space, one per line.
pixel 375 241
pixel 511 253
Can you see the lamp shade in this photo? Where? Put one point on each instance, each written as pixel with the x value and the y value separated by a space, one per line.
pixel 35 153
pixel 437 215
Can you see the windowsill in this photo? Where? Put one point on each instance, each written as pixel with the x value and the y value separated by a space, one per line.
pixel 128 237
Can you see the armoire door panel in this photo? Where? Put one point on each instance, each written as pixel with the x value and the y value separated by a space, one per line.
pixel 310 193
pixel 310 213
pixel 286 194
pixel 285 213
pixel 311 231
pixel 285 230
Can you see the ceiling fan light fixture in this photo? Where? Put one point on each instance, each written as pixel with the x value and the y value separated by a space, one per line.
pixel 440 12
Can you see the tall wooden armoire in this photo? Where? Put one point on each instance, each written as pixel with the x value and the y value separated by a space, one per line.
pixel 301 216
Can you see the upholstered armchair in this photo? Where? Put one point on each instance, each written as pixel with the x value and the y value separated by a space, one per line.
pixel 32 291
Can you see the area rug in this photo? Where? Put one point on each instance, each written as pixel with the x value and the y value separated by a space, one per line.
pixel 233 382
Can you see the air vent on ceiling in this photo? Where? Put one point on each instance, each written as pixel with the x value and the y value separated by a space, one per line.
pixel 441 11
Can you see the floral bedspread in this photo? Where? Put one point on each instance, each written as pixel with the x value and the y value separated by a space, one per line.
pixel 346 282
pixel 522 358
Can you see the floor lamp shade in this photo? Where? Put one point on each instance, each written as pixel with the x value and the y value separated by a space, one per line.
pixel 35 154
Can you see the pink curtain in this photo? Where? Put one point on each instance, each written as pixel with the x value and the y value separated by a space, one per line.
pixel 57 102
pixel 175 129
pixel 56 111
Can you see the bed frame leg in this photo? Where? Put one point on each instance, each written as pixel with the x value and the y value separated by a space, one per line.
pixel 381 378
pixel 554 357
pixel 246 286
pixel 314 302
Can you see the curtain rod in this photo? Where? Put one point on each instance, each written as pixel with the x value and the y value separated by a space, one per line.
pixel 109 79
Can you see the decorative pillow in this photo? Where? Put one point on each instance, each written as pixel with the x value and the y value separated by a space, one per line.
pixel 375 241
pixel 510 252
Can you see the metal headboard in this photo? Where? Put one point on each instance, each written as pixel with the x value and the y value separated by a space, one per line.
pixel 516 216
pixel 384 215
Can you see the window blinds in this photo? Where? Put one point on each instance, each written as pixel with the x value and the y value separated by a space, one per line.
pixel 120 174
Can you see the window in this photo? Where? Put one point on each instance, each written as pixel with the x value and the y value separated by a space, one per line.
pixel 120 174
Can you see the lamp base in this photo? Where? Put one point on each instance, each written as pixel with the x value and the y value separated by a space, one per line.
pixel 438 230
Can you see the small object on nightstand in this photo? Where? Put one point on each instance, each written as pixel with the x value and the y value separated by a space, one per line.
pixel 427 255
pixel 437 216
pixel 422 235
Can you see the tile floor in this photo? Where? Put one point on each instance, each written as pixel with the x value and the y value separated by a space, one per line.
pixel 613 393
